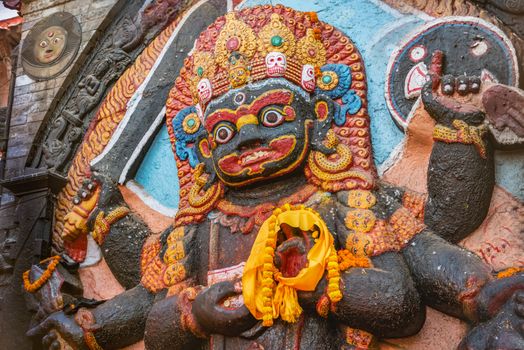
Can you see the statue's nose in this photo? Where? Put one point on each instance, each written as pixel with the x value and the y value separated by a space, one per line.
pixel 249 137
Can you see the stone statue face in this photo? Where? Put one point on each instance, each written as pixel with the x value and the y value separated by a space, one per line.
pixel 50 44
pixel 258 132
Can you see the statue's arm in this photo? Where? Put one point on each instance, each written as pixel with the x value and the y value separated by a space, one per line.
pixel 121 321
pixel 379 295
pixel 456 282
pixel 382 299
pixel 144 311
pixel 171 324
pixel 116 323
pixel 449 277
pixel 160 311
pixel 118 231
pixel 461 169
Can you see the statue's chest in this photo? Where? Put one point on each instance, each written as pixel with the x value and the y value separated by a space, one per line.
pixel 231 236
pixel 228 246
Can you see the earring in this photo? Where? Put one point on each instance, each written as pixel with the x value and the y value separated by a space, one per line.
pixel 196 199
pixel 333 172
pixel 328 166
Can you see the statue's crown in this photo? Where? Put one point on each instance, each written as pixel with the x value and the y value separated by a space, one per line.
pixel 241 54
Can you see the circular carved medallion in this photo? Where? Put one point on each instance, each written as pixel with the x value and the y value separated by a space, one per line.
pixel 51 46
pixel 471 47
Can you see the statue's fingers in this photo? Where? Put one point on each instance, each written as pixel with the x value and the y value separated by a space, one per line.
pixel 210 297
pixel 448 84
pixel 517 114
pixel 514 123
pixel 222 290
pixel 474 84
pixel 41 329
pixel 239 313
pixel 519 307
pixel 519 296
pixel 435 68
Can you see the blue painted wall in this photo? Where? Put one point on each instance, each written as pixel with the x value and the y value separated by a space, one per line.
pixel 158 173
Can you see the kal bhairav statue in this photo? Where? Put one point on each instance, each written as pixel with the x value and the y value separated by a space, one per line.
pixel 285 237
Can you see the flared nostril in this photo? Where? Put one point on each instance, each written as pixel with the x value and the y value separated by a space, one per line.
pixel 250 145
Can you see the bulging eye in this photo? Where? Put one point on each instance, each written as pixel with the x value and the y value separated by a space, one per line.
pixel 418 53
pixel 56 40
pixel 479 48
pixel 223 134
pixel 43 43
pixel 272 118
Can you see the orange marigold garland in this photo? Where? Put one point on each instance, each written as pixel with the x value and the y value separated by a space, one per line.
pixel 334 293
pixel 269 270
pixel 347 260
pixel 511 271
pixel 32 287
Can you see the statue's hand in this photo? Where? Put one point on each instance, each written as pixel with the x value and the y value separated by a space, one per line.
pixel 215 318
pixel 75 222
pixel 317 299
pixel 74 226
pixel 504 331
pixel 448 98
pixel 504 107
pixel 59 332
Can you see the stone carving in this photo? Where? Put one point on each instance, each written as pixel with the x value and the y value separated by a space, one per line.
pixel 505 111
pixel 509 11
pixel 125 40
pixel 485 44
pixel 51 46
pixel 285 235
pixel 492 11
pixel 486 50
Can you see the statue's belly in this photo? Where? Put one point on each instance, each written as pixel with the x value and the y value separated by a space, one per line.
pixel 309 333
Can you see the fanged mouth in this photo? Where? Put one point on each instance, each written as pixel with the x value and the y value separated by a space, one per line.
pixel 204 95
pixel 291 252
pixel 276 71
pixel 254 156
pixel 309 85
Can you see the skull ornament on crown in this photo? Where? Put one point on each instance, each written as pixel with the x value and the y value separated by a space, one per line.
pixel 276 64
pixel 204 90
pixel 308 78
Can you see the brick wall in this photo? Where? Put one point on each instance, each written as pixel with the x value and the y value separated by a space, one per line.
pixel 32 99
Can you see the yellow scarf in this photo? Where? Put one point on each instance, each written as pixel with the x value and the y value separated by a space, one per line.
pixel 266 302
